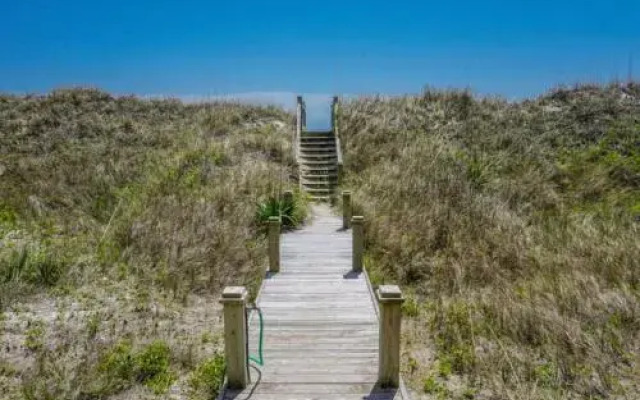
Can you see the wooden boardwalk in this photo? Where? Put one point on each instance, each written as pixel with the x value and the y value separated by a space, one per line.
pixel 321 326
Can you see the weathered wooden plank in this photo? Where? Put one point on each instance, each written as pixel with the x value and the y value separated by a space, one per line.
pixel 321 331
pixel 338 285
pixel 325 378
pixel 312 396
pixel 324 331
pixel 288 297
pixel 309 306
pixel 324 282
pixel 270 391
pixel 312 354
pixel 288 322
pixel 323 363
pixel 320 370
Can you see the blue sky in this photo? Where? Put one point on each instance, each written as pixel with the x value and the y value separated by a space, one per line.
pixel 275 48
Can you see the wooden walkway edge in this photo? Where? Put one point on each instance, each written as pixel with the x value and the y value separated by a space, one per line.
pixel 320 322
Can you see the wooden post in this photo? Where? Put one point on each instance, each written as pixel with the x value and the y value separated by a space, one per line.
pixel 346 209
pixel 274 244
pixel 298 131
pixel 390 301
pixel 234 300
pixel 358 242
pixel 288 197
pixel 334 104
pixel 303 112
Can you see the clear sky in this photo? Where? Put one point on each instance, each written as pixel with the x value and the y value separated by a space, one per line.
pixel 274 48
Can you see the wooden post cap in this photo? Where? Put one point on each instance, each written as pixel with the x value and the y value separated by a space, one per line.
pixel 232 294
pixel 346 192
pixel 274 220
pixel 390 293
pixel 358 219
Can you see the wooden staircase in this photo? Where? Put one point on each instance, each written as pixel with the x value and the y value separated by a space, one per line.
pixel 318 164
pixel 318 156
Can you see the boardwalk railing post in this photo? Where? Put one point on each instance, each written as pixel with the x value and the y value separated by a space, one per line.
pixel 274 244
pixel 358 242
pixel 234 300
pixel 390 301
pixel 346 209
pixel 288 197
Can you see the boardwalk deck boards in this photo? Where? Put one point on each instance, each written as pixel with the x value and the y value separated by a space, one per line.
pixel 321 329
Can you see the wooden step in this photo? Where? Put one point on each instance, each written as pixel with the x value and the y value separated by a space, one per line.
pixel 316 157
pixel 321 177
pixel 310 163
pixel 329 170
pixel 323 152
pixel 309 187
pixel 321 182
pixel 309 132
pixel 317 139
pixel 318 144
pixel 330 182
pixel 317 149
pixel 318 153
pixel 311 179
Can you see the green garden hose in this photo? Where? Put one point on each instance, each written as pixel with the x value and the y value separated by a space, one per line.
pixel 260 359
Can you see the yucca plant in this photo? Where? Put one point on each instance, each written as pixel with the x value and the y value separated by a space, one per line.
pixel 291 210
pixel 275 207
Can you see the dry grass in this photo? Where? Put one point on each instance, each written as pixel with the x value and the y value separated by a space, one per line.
pixel 514 227
pixel 120 220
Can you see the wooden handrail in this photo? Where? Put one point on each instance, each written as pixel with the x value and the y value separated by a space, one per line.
pixel 301 124
pixel 334 127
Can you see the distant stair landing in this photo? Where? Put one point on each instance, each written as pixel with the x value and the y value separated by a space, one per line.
pixel 318 155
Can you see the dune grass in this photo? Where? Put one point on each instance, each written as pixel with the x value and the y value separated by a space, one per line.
pixel 120 221
pixel 514 229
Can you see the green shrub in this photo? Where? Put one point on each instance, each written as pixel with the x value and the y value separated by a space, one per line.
pixel 8 217
pixel 92 325
pixel 34 336
pixel 152 361
pixel 14 268
pixel 161 382
pixel 120 367
pixel 116 369
pixel 206 380
pixel 454 338
pixel 292 212
pixel 46 269
pixel 38 267
pixel 546 374
pixel 410 307
pixel 430 385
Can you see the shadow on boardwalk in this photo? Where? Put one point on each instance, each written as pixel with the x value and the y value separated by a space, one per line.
pixel 377 393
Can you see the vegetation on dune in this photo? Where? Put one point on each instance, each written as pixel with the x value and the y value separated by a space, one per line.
pixel 514 227
pixel 291 210
pixel 120 220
